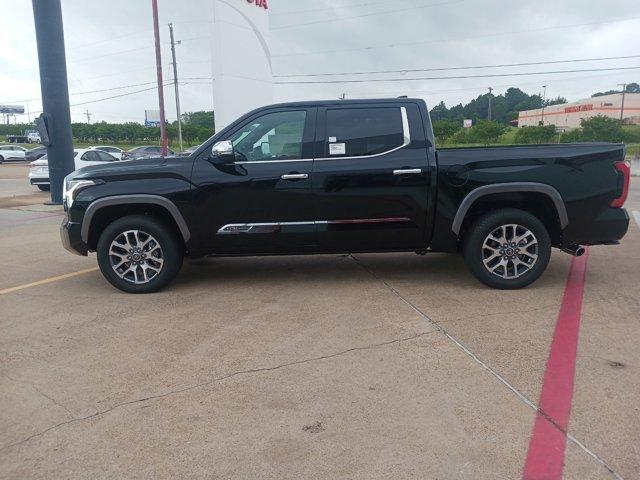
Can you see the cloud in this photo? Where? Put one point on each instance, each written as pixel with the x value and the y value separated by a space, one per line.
pixel 111 45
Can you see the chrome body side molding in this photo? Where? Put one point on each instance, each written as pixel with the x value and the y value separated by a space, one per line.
pixel 273 227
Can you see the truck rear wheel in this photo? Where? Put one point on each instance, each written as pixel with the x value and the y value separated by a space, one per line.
pixel 139 254
pixel 507 249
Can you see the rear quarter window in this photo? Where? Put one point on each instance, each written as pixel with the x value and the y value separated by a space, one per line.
pixel 355 132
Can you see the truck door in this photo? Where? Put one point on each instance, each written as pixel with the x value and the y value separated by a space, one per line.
pixel 371 177
pixel 261 202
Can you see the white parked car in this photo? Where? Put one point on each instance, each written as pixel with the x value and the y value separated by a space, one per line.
pixel 39 170
pixel 12 152
pixel 115 151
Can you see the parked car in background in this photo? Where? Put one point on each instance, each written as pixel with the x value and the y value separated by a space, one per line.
pixel 39 170
pixel 12 153
pixel 39 173
pixel 29 136
pixel 115 151
pixel 35 153
pixel 147 151
pixel 188 151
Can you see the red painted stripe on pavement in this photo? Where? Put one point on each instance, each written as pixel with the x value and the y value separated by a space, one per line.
pixel 545 458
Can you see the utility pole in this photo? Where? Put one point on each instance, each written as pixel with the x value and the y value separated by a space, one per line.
pixel 88 114
pixel 163 124
pixel 544 101
pixel 47 16
pixel 28 114
pixel 490 97
pixel 624 91
pixel 175 83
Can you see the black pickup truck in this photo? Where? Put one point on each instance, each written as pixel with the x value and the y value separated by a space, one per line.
pixel 346 176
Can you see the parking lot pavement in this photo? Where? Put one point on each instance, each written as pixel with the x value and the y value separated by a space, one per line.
pixel 371 366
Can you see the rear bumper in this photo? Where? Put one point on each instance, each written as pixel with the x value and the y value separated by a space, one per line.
pixel 71 238
pixel 39 181
pixel 607 228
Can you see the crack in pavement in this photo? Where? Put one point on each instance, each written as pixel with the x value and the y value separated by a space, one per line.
pixel 486 367
pixel 33 386
pixel 216 380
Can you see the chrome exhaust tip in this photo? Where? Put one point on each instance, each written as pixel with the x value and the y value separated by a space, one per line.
pixel 575 250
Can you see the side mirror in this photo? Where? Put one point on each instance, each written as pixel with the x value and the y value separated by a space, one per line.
pixel 223 150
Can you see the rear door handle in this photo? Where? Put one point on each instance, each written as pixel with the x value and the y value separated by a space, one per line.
pixel 408 171
pixel 295 176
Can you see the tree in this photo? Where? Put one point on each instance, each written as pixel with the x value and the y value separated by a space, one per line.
pixel 201 119
pixel 555 101
pixel 596 129
pixel 445 129
pixel 601 129
pixel 543 134
pixel 630 88
pixel 486 132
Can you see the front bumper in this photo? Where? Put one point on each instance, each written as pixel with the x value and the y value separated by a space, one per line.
pixel 71 238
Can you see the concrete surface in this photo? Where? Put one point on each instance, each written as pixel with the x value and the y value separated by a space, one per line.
pixel 303 367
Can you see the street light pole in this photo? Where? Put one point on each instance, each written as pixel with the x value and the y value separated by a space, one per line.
pixel 163 125
pixel 544 101
pixel 624 90
pixel 175 83
pixel 47 15
pixel 490 97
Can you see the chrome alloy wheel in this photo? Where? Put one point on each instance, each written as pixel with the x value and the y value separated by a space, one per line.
pixel 510 251
pixel 136 256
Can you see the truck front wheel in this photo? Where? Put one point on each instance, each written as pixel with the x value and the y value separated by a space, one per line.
pixel 139 254
pixel 507 248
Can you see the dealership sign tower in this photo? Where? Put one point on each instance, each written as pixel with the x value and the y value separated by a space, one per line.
pixel 241 58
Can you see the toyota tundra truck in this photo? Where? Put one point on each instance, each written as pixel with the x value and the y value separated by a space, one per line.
pixel 346 177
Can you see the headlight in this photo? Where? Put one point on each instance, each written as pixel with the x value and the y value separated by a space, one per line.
pixel 71 189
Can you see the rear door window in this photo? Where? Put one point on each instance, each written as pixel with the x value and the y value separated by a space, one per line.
pixel 357 132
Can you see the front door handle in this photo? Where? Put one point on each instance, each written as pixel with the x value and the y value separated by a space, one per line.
pixel 295 176
pixel 408 171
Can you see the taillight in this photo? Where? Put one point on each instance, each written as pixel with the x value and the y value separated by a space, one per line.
pixel 624 175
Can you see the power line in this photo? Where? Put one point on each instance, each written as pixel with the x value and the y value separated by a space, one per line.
pixel 404 89
pixel 93 57
pixel 347 5
pixel 112 97
pixel 93 91
pixel 439 69
pixel 409 44
pixel 339 19
pixel 376 80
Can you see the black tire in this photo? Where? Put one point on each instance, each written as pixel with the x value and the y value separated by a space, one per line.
pixel 44 188
pixel 171 248
pixel 1 159
pixel 475 252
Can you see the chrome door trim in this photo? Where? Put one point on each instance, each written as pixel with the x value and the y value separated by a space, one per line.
pixel 274 161
pixel 405 133
pixel 239 228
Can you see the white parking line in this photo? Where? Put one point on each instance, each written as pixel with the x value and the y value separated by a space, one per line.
pixel 636 215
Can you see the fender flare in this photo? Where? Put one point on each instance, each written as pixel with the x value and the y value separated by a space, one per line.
pixel 163 202
pixel 533 187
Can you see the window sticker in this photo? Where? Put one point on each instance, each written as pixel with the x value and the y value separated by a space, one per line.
pixel 337 148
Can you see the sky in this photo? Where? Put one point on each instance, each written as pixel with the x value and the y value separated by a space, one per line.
pixel 110 45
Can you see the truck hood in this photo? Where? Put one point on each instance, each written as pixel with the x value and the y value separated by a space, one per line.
pixel 127 168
